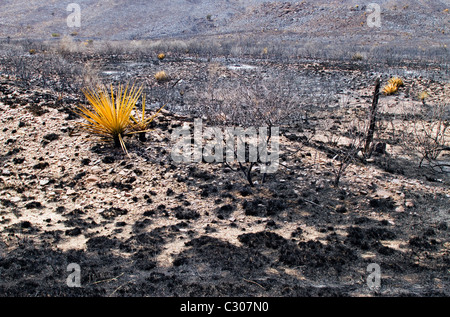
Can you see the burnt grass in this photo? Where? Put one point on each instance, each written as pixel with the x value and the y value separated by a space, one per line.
pixel 314 241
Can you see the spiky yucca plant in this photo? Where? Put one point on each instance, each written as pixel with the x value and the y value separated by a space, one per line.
pixel 110 114
pixel 390 89
pixel 397 81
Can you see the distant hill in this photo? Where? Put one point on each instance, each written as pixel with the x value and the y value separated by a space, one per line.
pixel 421 26
pixel 142 19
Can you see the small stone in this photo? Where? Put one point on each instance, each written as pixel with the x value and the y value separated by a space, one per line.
pixel 73 232
pixel 25 224
pixel 51 137
pixel 108 160
pixel 409 203
pixel 92 179
pixel 44 182
pixel 400 209
pixel 71 192
pixel 15 199
pixel 341 209
pixel 33 205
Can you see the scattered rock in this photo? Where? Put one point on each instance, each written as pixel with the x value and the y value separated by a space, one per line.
pixel 341 209
pixel 113 212
pixel 34 205
pixel 92 179
pixel 44 182
pixel 41 166
pixel 108 160
pixel 73 232
pixel 51 137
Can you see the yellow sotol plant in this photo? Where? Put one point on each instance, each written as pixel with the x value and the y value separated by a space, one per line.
pixel 110 114
pixel 393 85
pixel 390 89
pixel 397 81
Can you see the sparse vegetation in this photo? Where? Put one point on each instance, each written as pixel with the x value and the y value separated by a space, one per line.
pixel 393 85
pixel 110 115
pixel 390 89
pixel 361 178
pixel 427 136
pixel 423 95
pixel 357 57
pixel 141 124
pixel 161 76
pixel 396 81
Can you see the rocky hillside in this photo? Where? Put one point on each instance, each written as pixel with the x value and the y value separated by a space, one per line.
pixel 139 19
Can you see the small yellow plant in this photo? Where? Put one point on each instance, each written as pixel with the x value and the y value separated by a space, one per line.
pixel 32 51
pixel 423 95
pixel 161 76
pixel 393 85
pixel 390 89
pixel 397 81
pixel 161 56
pixel 110 113
pixel 357 57
pixel 140 125
pixel 446 11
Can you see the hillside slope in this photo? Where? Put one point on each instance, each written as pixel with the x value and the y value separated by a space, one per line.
pixel 141 19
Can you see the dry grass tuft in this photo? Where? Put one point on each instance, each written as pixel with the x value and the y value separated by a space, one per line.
pixel 161 76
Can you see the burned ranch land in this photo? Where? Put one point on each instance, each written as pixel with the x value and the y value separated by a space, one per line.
pixel 362 178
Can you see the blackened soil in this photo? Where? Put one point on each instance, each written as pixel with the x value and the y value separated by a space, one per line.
pixel 147 227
